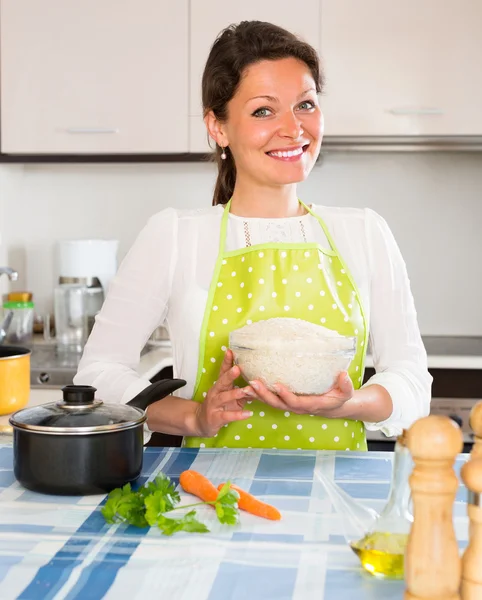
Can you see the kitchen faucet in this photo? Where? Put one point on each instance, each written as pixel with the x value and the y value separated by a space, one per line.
pixel 9 272
pixel 13 276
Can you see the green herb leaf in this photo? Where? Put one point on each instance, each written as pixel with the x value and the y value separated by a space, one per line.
pixel 124 505
pixel 219 511
pixel 109 510
pixel 149 505
pixel 224 490
pixel 226 505
pixel 156 504
pixel 138 519
pixel 168 526
pixel 229 514
pixel 162 484
pixel 187 523
pixel 232 497
pixel 191 524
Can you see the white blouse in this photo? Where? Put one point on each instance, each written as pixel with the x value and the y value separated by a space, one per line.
pixel 165 278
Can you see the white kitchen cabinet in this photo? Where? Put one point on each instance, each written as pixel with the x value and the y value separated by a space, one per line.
pixel 210 17
pixel 408 68
pixel 90 76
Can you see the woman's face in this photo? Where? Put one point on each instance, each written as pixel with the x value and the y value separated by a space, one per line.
pixel 275 126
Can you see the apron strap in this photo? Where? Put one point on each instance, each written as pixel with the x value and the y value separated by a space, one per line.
pixel 224 229
pixel 323 226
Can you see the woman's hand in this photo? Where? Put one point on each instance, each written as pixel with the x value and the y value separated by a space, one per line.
pixel 328 405
pixel 224 403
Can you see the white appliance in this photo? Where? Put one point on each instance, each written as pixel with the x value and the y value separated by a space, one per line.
pixel 92 263
pixel 88 259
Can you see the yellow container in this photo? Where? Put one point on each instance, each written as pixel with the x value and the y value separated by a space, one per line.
pixel 14 378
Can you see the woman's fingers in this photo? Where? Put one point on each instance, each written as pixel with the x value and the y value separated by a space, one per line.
pixel 227 374
pixel 267 396
pixel 230 396
pixel 291 401
pixel 226 380
pixel 228 416
pixel 345 385
pixel 323 404
pixel 226 364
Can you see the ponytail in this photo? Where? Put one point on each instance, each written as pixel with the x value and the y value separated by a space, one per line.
pixel 226 177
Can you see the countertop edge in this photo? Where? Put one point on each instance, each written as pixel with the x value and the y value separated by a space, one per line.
pixel 436 361
pixel 158 359
pixel 154 361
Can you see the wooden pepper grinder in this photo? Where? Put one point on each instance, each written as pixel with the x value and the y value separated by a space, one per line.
pixel 471 588
pixel 475 422
pixel 432 560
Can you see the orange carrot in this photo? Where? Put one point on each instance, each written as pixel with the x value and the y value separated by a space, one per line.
pixel 254 506
pixel 194 483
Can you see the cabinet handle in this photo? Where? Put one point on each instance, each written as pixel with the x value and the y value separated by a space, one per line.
pixel 91 130
pixel 416 111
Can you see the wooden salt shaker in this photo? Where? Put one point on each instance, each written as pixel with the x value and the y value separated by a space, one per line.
pixel 475 422
pixel 471 588
pixel 432 560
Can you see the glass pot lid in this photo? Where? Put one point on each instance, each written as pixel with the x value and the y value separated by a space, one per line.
pixel 78 412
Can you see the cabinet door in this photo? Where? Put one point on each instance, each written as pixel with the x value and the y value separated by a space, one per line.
pixel 94 76
pixel 210 17
pixel 402 68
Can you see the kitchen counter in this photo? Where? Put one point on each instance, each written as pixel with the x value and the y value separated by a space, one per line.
pixel 450 352
pixel 60 547
pixel 444 352
pixel 151 363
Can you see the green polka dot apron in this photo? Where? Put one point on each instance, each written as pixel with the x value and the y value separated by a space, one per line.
pixel 299 280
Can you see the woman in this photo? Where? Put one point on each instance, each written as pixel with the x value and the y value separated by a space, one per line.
pixel 260 253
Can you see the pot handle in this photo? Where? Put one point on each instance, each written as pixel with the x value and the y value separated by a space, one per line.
pixel 156 391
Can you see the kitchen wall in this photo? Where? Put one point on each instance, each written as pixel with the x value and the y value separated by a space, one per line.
pixel 432 201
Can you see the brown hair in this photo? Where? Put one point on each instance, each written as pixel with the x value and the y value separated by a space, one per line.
pixel 237 47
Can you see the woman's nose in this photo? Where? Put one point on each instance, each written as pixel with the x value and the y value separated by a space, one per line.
pixel 291 126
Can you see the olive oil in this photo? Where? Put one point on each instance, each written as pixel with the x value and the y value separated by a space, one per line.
pixel 382 554
pixel 382 549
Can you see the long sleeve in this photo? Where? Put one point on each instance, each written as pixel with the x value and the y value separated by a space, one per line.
pixel 136 303
pixel 399 356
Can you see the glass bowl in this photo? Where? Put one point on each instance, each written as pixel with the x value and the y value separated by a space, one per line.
pixel 305 364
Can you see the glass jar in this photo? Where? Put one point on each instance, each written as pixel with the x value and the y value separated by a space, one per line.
pixel 20 330
pixel 70 316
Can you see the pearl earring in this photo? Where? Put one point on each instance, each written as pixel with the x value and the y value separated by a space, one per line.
pixel 223 155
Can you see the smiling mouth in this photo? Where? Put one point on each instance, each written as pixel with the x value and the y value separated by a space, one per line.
pixel 288 155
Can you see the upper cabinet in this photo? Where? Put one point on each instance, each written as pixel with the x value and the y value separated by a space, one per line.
pixel 408 68
pixel 90 76
pixel 210 17
pixel 117 77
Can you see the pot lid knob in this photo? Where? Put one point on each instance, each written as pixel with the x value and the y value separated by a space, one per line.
pixel 79 394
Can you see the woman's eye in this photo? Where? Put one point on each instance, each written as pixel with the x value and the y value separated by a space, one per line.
pixel 262 112
pixel 307 105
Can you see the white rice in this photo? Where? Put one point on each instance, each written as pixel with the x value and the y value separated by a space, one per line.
pixel 305 357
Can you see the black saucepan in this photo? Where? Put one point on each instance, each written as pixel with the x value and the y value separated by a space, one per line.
pixel 79 445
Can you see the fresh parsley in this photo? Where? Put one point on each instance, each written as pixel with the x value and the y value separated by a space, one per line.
pixel 148 507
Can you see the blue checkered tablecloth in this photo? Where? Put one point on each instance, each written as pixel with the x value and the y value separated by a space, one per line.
pixel 61 547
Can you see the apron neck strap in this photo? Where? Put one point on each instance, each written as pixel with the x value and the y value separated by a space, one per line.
pixel 224 226
pixel 323 226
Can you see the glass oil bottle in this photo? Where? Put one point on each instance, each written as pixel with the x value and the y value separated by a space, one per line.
pixel 381 551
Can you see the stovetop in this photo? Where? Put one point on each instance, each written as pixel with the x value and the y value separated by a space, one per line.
pixel 55 366
pixel 443 345
pixel 50 356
